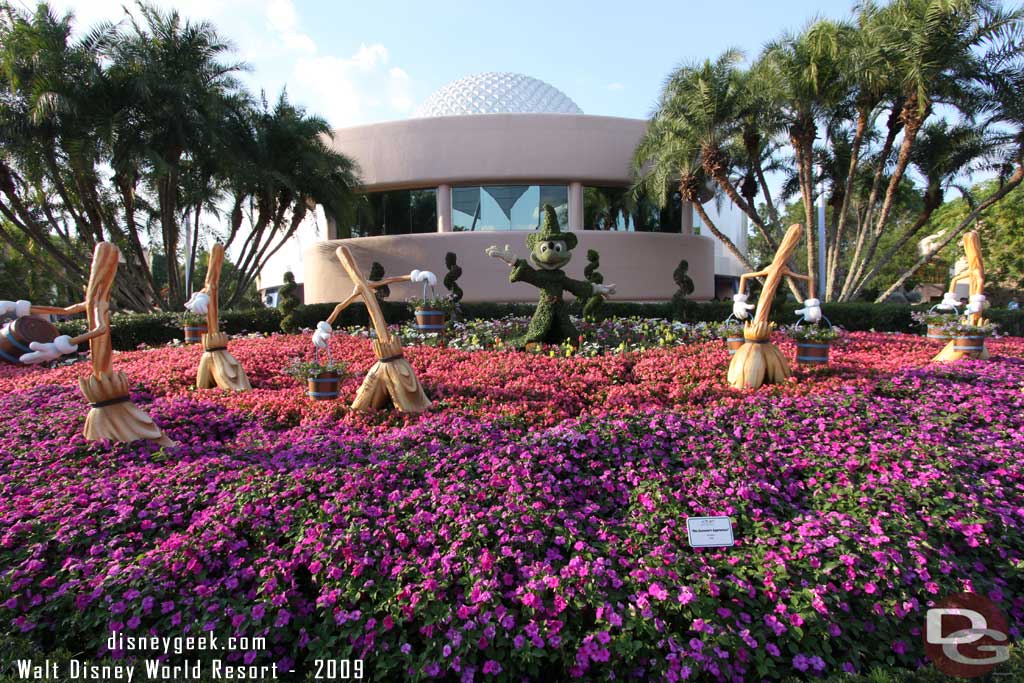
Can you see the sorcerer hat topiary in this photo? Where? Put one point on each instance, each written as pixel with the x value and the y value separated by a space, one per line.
pixel 549 230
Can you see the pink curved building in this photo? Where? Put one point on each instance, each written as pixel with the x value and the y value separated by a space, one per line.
pixel 474 166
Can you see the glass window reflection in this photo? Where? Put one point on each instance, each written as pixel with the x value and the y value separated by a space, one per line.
pixel 396 212
pixel 490 208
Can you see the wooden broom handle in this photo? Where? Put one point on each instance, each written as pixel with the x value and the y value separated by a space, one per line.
pixel 365 291
pixel 213 286
pixel 97 304
pixel 975 269
pixel 776 271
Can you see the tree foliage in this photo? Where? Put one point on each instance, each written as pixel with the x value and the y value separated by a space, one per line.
pixel 908 97
pixel 128 133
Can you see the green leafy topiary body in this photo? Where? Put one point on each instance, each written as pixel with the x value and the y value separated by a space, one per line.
pixel 684 284
pixel 377 274
pixel 592 308
pixel 550 250
pixel 288 301
pixel 453 274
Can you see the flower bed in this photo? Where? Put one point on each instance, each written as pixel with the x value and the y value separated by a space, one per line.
pixel 532 523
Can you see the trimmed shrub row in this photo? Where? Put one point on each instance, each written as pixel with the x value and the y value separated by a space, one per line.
pixel 130 330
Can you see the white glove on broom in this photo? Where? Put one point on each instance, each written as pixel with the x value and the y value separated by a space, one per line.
pixel 42 351
pixel 423 276
pixel 976 304
pixel 740 307
pixel 199 302
pixel 811 310
pixel 322 335
pixel 19 308
pixel 949 302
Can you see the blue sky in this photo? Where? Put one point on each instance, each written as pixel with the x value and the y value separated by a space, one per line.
pixel 364 61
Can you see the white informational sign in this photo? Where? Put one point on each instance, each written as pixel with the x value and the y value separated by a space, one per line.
pixel 709 532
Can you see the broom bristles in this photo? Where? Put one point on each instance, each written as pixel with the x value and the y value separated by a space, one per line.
pixel 218 368
pixel 221 369
pixel 122 421
pixel 758 361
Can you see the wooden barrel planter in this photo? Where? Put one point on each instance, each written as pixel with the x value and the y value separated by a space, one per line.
pixel 733 343
pixel 194 333
pixel 430 321
pixel 323 387
pixel 938 333
pixel 16 336
pixel 812 353
pixel 969 345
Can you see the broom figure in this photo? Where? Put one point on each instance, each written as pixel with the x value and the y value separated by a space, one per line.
pixel 759 361
pixel 217 367
pixel 391 379
pixel 976 303
pixel 112 414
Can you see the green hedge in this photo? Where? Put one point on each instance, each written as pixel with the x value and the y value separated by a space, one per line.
pixel 133 329
pixel 130 330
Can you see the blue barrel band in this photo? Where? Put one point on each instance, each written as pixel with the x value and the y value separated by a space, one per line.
pixel 939 336
pixel 429 327
pixel 8 357
pixel 811 345
pixel 732 352
pixel 17 344
pixel 734 339
pixel 323 379
pixel 430 312
pixel 812 359
pixel 318 394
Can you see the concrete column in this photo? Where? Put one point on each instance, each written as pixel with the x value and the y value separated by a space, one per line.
pixel 444 208
pixel 686 222
pixel 575 206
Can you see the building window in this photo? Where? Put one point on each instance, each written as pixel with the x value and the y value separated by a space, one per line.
pixel 617 209
pixel 490 208
pixel 396 212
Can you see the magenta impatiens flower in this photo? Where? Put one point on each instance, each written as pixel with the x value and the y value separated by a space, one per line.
pixel 367 535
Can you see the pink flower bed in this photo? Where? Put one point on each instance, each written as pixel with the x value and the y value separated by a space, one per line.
pixel 532 524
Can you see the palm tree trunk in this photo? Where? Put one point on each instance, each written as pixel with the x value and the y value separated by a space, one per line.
pixel 1011 183
pixel 832 254
pixel 922 220
pixel 803 146
pixel 894 127
pixel 912 121
pixel 167 196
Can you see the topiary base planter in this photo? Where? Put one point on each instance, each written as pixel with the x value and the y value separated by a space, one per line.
pixel 323 387
pixel 938 333
pixel 733 344
pixel 812 353
pixel 194 333
pixel 429 320
pixel 971 346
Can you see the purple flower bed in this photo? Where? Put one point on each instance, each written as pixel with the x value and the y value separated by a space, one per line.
pixel 482 548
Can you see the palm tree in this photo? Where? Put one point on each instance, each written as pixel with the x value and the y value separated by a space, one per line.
pixel 55 112
pixel 934 51
pixel 281 168
pixel 943 153
pixel 668 156
pixel 177 91
pixel 1001 80
pixel 864 62
pixel 804 73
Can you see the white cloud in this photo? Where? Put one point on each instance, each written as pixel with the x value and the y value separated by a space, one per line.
pixel 615 86
pixel 269 35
